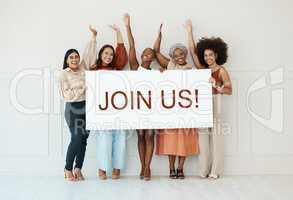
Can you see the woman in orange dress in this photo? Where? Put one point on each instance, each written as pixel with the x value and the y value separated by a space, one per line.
pixel 175 142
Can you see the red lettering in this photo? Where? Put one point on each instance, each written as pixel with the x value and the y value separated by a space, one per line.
pixel 185 98
pixel 125 100
pixel 163 100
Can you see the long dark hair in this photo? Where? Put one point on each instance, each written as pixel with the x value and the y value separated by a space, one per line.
pixel 68 52
pixel 99 61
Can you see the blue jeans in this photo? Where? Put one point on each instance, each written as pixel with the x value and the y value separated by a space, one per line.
pixel 111 149
pixel 75 119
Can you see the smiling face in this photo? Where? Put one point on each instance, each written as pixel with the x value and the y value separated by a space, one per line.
pixel 107 56
pixel 179 57
pixel 210 57
pixel 73 61
pixel 147 55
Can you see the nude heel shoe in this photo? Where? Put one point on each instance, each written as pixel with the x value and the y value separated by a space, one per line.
pixel 116 174
pixel 68 175
pixel 78 175
pixel 102 174
pixel 147 174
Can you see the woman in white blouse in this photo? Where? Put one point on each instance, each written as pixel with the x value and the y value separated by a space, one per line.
pixel 72 83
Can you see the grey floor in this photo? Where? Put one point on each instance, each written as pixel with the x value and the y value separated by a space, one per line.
pixel 269 187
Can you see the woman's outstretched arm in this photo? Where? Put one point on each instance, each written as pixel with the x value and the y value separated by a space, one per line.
pixel 163 61
pixel 192 45
pixel 118 33
pixel 132 52
pixel 121 57
pixel 89 56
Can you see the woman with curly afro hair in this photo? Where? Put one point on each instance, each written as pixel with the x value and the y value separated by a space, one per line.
pixel 211 53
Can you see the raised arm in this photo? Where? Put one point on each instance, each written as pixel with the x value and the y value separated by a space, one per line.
pixel 89 56
pixel 192 45
pixel 163 61
pixel 121 57
pixel 118 33
pixel 132 52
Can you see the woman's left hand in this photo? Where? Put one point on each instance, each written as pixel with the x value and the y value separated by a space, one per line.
pixel 220 89
pixel 188 25
pixel 93 30
pixel 115 27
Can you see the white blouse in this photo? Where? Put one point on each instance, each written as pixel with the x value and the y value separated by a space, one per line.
pixel 72 83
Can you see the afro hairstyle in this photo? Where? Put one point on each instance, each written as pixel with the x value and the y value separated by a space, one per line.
pixel 217 45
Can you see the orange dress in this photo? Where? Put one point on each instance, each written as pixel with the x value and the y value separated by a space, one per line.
pixel 179 142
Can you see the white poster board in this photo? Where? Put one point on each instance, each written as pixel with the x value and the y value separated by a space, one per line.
pixel 148 99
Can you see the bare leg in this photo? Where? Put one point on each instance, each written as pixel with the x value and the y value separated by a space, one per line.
pixel 172 162
pixel 181 162
pixel 149 141
pixel 180 173
pixel 172 166
pixel 141 150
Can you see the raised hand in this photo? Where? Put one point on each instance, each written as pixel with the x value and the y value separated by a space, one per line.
pixel 118 33
pixel 162 60
pixel 188 25
pixel 160 29
pixel 93 30
pixel 126 19
pixel 115 27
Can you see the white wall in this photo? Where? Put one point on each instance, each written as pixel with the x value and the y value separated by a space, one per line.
pixel 35 35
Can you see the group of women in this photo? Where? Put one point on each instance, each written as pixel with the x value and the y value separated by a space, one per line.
pixel 207 53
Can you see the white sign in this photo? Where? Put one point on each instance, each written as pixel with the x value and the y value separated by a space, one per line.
pixel 148 99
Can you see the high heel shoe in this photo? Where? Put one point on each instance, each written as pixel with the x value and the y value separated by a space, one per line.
pixel 68 175
pixel 203 176
pixel 180 174
pixel 214 176
pixel 173 174
pixel 78 175
pixel 141 175
pixel 116 174
pixel 147 174
pixel 102 174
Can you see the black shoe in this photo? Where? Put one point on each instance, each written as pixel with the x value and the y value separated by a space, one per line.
pixel 180 174
pixel 141 175
pixel 173 174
